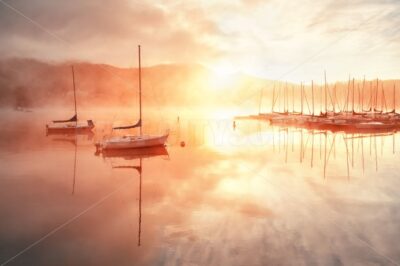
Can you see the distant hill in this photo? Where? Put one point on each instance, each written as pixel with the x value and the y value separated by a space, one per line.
pixel 32 83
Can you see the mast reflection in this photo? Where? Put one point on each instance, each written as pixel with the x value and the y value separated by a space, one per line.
pixel 71 138
pixel 353 143
pixel 135 154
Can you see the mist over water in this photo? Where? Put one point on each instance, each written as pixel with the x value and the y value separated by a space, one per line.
pixel 250 195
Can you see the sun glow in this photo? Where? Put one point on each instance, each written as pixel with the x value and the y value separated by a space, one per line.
pixel 223 76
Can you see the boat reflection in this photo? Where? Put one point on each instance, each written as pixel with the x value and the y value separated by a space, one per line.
pixel 135 154
pixel 132 154
pixel 139 169
pixel 60 136
pixel 73 139
pixel 350 147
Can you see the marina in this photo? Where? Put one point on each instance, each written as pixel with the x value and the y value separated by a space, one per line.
pixel 352 116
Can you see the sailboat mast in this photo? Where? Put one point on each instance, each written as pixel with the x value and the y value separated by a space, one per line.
pixel 370 95
pixel 312 92
pixel 73 82
pixel 273 99
pixel 352 104
pixel 292 98
pixel 140 91
pixel 320 101
pixel 346 107
pixel 334 98
pixel 326 99
pixel 285 101
pixel 362 96
pixel 394 97
pixel 301 89
pixel 376 95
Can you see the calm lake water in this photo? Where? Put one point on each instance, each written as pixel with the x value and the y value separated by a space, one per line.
pixel 254 195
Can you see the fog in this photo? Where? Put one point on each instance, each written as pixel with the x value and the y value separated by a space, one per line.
pixel 28 83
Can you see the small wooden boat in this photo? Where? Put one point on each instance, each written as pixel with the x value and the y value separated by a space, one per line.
pixel 71 125
pixel 130 141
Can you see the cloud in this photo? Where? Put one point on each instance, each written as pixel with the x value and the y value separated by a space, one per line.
pixel 104 31
pixel 265 38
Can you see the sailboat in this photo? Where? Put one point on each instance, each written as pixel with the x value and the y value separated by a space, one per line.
pixel 70 125
pixel 133 141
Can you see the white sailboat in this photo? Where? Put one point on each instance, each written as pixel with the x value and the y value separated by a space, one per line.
pixel 133 141
pixel 71 125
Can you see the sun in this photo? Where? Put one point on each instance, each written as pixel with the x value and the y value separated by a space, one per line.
pixel 222 76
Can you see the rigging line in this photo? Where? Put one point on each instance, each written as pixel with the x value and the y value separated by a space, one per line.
pixel 275 99
pixel 344 103
pixel 370 95
pixel 384 99
pixel 305 97
pixel 329 94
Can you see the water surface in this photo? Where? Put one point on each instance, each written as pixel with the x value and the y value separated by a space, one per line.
pixel 254 195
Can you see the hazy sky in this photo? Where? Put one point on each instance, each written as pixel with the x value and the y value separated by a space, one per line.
pixel 289 40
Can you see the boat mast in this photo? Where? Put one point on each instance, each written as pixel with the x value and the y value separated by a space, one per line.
pixel 362 96
pixel 320 100
pixel 292 98
pixel 376 95
pixel 394 97
pixel 301 89
pixel 370 96
pixel 334 99
pixel 326 99
pixel 73 82
pixel 140 92
pixel 352 104
pixel 359 97
pixel 382 97
pixel 285 99
pixel 312 92
pixel 273 99
pixel 346 106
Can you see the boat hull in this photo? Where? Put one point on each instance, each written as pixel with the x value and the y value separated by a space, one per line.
pixel 132 142
pixel 69 128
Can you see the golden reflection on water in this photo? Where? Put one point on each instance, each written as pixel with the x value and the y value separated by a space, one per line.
pixel 250 195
